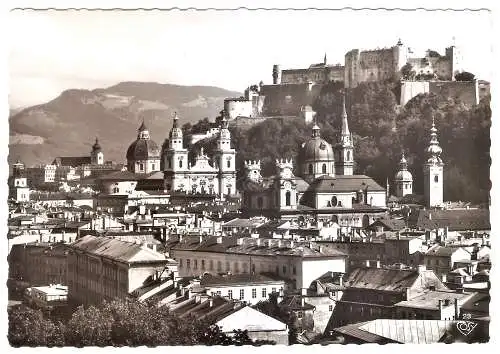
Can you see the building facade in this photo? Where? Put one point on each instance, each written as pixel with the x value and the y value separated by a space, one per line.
pixel 216 177
pixel 102 268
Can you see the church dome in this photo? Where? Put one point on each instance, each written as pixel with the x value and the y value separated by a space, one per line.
pixel 317 149
pixel 404 175
pixel 143 149
pixel 96 147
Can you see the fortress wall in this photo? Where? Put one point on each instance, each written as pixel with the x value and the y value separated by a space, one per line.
pixel 288 99
pixel 236 108
pixel 410 89
pixel 467 92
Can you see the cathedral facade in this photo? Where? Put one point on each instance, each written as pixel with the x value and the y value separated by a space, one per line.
pixel 325 187
pixel 215 176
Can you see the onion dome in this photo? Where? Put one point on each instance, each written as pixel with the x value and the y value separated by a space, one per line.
pixel 96 147
pixel 403 173
pixel 434 150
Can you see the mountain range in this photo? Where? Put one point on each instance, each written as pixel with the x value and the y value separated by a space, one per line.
pixel 69 124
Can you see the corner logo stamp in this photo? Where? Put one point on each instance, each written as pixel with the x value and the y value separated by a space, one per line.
pixel 466 327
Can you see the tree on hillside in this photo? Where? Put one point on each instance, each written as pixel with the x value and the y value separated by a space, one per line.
pixel 464 76
pixel 407 72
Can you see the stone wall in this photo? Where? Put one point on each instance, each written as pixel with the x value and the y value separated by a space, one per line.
pixel 465 91
pixel 288 99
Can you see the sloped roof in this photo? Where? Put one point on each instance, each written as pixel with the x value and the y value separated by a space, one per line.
pixel 249 246
pixel 341 183
pixel 294 302
pixel 391 224
pixel 118 250
pixel 247 318
pixel 454 219
pixel 442 251
pixel 408 331
pixel 384 279
pixel 73 161
pixel 250 223
pixel 121 176
pixel 430 299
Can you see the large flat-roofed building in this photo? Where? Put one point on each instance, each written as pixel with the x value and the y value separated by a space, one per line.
pixel 102 268
pixel 299 262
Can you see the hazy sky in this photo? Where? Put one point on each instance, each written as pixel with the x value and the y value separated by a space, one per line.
pixel 54 51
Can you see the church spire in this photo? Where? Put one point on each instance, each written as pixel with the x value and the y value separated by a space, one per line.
pixel 345 123
pixel 324 59
pixel 434 150
pixel 403 164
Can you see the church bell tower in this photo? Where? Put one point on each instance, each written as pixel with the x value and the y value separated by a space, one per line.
pixel 433 172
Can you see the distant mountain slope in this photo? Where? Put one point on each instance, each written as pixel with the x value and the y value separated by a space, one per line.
pixel 69 124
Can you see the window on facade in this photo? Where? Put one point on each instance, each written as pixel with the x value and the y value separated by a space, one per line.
pixel 264 293
pixel 228 163
pixel 180 163
pixel 300 314
pixel 236 267
pixel 230 294
pixel 284 269
pixel 188 263
pixel 141 167
pixel 273 290
pixel 334 201
pixel 294 270
pixel 116 190
pixel 348 155
pixel 219 266
pixel 288 198
pixel 330 308
pixel 195 264
pixel 203 264
pixel 211 265
pixel 242 294
pixel 323 168
pixel 153 167
pixel 436 178
pixel 254 293
pixel 310 169
pixel 180 263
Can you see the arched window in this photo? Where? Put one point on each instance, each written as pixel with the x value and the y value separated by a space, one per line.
pixel 229 163
pixel 310 169
pixel 334 201
pixel 348 155
pixel 436 178
pixel 323 168
pixel 180 163
pixel 287 198
pixel 116 189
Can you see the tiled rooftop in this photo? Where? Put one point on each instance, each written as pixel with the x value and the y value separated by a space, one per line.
pixel 430 299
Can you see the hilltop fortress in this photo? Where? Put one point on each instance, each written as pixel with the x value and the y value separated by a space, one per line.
pixel 293 91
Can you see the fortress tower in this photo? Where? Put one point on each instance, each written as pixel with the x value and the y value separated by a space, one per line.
pixel 276 74
pixel 433 172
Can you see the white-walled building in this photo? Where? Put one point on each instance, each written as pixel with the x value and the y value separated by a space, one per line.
pixel 298 262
